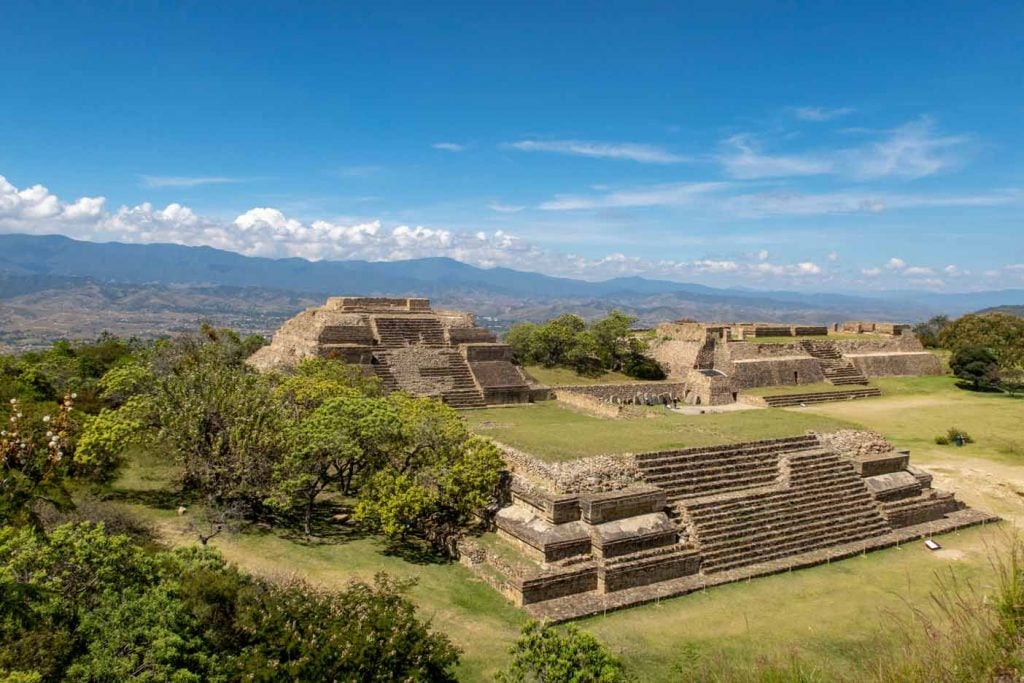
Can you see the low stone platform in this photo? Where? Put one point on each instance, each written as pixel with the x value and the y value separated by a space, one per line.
pixel 589 604
pixel 788 400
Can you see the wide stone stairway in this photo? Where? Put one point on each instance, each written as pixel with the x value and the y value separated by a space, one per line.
pixel 823 502
pixel 837 370
pixel 424 371
pixel 407 331
pixel 784 400
pixel 694 472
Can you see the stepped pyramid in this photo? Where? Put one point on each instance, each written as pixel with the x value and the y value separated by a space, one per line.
pixel 690 518
pixel 410 346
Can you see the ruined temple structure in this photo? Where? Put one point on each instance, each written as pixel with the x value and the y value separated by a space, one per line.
pixel 410 346
pixel 654 525
pixel 718 360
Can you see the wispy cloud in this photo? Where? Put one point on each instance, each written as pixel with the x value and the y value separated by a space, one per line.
pixel 645 154
pixel 505 208
pixel 913 150
pixel 672 194
pixel 449 146
pixel 156 181
pixel 821 113
pixel 745 161
pixel 813 204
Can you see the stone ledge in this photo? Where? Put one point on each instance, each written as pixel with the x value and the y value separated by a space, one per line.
pixel 590 604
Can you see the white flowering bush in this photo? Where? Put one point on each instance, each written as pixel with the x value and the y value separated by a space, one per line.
pixel 35 459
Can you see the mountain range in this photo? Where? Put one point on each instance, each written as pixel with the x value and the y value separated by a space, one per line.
pixel 52 286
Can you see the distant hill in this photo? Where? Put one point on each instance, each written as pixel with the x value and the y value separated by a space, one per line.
pixel 54 286
pixel 1011 310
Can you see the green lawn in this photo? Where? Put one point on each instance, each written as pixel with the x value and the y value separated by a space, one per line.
pixel 549 431
pixel 554 377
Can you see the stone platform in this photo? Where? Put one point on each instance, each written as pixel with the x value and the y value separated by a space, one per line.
pixel 670 522
pixel 408 345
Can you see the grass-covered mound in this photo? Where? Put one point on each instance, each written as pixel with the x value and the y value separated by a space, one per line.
pixel 554 433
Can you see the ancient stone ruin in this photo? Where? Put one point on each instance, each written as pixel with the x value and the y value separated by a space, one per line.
pixel 616 531
pixel 717 361
pixel 410 346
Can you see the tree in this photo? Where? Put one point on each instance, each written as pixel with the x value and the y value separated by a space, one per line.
pixel 929 332
pixel 85 605
pixel 976 364
pixel 430 475
pixel 35 452
pixel 545 654
pixel 1001 333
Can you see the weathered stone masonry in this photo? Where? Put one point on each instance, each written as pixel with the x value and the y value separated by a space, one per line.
pixel 408 345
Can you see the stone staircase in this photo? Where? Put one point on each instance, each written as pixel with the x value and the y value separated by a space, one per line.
pixel 407 331
pixel 822 502
pixel 784 400
pixel 440 372
pixel 706 356
pixel 836 369
pixel 695 472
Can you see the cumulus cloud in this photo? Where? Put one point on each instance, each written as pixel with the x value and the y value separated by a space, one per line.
pixel 896 263
pixel 449 146
pixel 631 151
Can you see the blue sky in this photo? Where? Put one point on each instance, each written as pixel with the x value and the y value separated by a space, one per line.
pixel 825 146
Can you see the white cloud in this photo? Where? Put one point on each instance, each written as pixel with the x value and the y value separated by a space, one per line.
pixel 762 255
pixel 821 113
pixel 672 194
pixel 505 208
pixel 896 264
pixel 646 154
pixel 918 271
pixel 832 256
pixel 449 146
pixel 746 162
pixel 796 203
pixel 871 272
pixel 912 150
pixel 156 181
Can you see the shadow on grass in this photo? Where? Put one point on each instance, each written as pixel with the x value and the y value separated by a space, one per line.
pixel 415 551
pixel 331 523
pixel 967 386
pixel 161 499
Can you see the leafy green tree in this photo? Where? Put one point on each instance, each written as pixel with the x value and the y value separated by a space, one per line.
pixel 85 605
pixel 432 476
pixel 1001 333
pixel 365 633
pixel 545 654
pixel 976 364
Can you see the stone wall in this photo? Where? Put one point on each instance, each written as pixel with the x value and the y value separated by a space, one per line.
pixel 585 475
pixel 591 405
pixel 896 364
pixel 771 372
pixel 640 393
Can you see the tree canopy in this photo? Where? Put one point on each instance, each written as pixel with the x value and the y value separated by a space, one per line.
pixel 568 341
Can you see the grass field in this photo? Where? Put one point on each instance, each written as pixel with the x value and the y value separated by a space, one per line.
pixel 551 432
pixel 554 377
pixel 838 620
